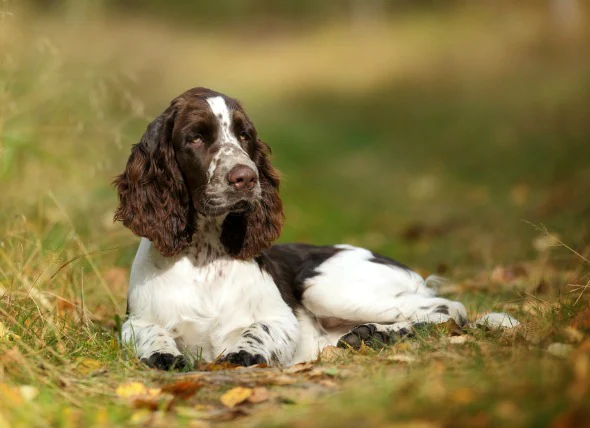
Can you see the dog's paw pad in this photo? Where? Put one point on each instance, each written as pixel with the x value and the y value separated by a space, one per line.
pixel 165 361
pixel 243 358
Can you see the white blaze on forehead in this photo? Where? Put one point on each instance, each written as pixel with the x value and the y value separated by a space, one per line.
pixel 223 115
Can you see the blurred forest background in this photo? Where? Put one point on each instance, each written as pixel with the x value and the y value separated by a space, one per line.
pixel 446 134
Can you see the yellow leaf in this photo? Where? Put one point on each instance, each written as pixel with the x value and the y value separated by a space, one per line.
pixel 236 396
pixel 136 389
pixel 86 366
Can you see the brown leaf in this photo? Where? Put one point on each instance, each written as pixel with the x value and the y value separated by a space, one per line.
pixel 236 396
pixel 216 366
pixel 259 394
pixel 298 368
pixel 182 389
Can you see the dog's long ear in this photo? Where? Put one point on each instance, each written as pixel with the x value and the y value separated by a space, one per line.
pixel 246 235
pixel 153 199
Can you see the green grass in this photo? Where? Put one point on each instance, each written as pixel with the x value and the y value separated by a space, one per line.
pixel 424 149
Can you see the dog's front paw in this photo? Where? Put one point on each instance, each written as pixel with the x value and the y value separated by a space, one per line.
pixel 166 361
pixel 243 358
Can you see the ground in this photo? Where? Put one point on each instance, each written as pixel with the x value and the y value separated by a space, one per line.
pixel 455 142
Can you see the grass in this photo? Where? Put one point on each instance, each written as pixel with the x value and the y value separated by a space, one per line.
pixel 435 137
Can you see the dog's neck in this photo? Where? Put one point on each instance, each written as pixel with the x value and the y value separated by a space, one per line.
pixel 206 244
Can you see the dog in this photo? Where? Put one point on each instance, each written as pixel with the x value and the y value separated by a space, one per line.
pixel 206 283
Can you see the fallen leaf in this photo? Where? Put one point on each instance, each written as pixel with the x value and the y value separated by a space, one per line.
pixel 236 396
pixel 182 389
pixel 259 395
pixel 298 368
pixel 136 389
pixel 87 366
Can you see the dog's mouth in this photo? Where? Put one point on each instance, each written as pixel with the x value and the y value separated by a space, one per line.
pixel 214 208
pixel 242 206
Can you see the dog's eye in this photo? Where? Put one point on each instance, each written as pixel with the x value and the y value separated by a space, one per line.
pixel 197 140
pixel 244 136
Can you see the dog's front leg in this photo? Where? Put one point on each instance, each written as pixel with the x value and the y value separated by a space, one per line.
pixel 271 342
pixel 153 344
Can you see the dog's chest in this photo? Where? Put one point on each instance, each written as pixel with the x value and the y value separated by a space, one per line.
pixel 204 305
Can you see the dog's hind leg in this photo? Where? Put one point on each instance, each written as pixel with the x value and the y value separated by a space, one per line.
pixel 361 287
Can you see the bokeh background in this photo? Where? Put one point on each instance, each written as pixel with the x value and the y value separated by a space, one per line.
pixel 451 135
pixel 438 133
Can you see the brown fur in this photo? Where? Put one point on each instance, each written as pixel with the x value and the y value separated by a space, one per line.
pixel 153 199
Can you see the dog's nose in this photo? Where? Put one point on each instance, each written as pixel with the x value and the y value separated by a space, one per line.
pixel 242 177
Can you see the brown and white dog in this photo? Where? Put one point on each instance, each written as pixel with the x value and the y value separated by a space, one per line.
pixel 206 282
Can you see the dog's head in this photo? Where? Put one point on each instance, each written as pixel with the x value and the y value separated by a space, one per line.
pixel 201 156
